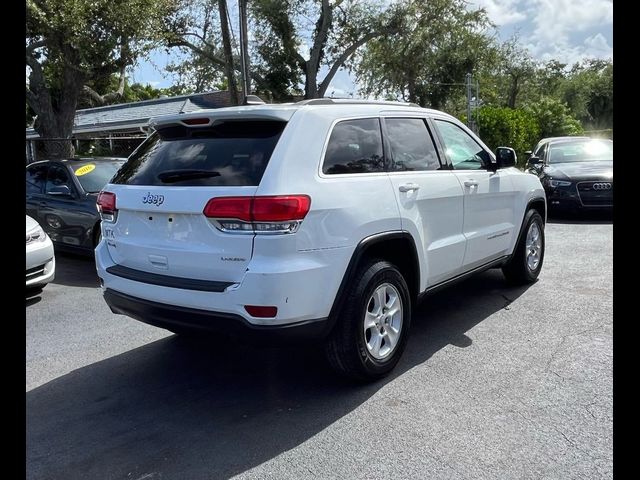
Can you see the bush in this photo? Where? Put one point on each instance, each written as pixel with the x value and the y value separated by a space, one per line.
pixel 506 127
pixel 553 118
pixel 522 128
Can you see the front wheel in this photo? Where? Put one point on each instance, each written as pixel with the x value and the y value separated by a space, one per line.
pixel 526 262
pixel 372 327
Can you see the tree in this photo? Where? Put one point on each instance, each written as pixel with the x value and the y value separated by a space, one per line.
pixel 207 42
pixel 588 91
pixel 517 68
pixel 426 61
pixel 333 31
pixel 135 92
pixel 72 42
pixel 554 118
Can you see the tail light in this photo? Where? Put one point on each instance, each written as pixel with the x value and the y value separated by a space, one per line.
pixel 107 206
pixel 265 215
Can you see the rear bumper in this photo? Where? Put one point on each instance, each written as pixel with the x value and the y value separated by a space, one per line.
pixel 301 288
pixel 173 317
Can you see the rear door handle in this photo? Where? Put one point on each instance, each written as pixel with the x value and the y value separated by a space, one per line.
pixel 407 187
pixel 470 183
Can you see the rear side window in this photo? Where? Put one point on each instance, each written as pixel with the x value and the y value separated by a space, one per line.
pixel 355 146
pixel 412 148
pixel 232 153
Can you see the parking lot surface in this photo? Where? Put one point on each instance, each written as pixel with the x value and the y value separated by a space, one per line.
pixel 496 382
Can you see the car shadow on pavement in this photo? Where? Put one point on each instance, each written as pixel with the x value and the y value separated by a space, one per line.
pixel 33 296
pixel 75 270
pixel 178 408
pixel 582 218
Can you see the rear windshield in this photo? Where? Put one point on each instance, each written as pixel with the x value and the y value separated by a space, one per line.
pixel 94 176
pixel 232 153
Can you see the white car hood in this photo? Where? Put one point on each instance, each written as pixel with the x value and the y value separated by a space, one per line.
pixel 31 223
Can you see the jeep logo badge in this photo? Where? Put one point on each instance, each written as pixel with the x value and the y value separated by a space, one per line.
pixel 156 200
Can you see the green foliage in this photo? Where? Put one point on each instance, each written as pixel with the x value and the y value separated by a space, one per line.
pixel 554 118
pixel 522 128
pixel 411 50
pixel 295 38
pixel 194 32
pixel 439 42
pixel 588 91
pixel 72 42
pixel 276 45
pixel 506 127
pixel 95 37
pixel 135 92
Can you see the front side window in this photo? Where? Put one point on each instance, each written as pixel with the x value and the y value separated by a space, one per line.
pixel 355 146
pixel 539 152
pixel 57 177
pixel 461 149
pixel 36 178
pixel 412 148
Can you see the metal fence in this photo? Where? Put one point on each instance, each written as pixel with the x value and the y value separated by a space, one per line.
pixel 115 146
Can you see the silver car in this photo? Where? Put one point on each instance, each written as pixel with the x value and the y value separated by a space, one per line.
pixel 41 263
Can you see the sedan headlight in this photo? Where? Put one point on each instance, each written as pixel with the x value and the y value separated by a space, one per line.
pixel 36 235
pixel 559 183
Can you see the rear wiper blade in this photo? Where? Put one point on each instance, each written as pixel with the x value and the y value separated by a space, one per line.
pixel 170 176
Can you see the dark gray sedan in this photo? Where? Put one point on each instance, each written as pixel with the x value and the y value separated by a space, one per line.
pixel 576 173
pixel 61 196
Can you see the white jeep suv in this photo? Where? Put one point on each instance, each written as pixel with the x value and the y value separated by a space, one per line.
pixel 323 219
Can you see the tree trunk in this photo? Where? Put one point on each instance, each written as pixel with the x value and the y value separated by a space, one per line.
pixel 244 45
pixel 411 89
pixel 312 67
pixel 310 82
pixel 228 53
pixel 54 124
pixel 513 92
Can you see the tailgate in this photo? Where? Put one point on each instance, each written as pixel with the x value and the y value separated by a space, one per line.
pixel 164 231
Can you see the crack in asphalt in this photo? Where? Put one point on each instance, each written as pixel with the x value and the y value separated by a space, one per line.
pixel 508 300
pixel 563 339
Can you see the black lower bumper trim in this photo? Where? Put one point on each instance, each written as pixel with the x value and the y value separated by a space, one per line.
pixel 177 318
pixel 167 280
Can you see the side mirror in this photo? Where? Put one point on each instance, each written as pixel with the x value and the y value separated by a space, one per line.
pixel 534 161
pixel 528 153
pixel 505 157
pixel 60 191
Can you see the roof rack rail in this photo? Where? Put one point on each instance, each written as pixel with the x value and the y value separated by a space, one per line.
pixel 348 101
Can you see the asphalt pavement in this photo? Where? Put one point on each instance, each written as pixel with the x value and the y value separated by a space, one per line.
pixel 496 383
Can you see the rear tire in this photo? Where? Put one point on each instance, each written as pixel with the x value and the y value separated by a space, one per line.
pixel 372 327
pixel 526 262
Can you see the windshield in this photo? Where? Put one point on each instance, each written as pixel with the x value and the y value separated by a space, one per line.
pixel 581 151
pixel 93 176
pixel 230 153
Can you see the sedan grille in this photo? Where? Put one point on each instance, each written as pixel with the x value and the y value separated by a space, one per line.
pixel 596 194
